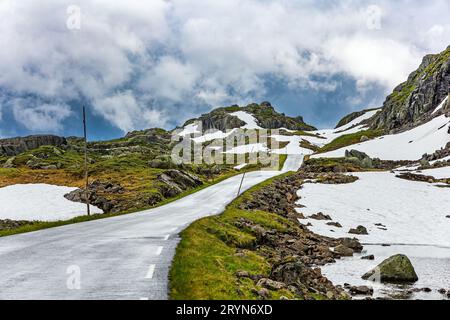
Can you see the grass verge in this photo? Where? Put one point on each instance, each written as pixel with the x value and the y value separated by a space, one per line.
pixel 206 258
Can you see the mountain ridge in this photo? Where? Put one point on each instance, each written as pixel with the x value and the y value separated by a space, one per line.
pixel 265 114
pixel 413 101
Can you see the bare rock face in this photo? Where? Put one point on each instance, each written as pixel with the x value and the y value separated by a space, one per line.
pixel 97 190
pixel 14 146
pixel 268 118
pixel 219 119
pixel 175 182
pixel 265 114
pixel 413 101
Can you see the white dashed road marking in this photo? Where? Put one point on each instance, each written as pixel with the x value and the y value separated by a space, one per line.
pixel 159 250
pixel 151 270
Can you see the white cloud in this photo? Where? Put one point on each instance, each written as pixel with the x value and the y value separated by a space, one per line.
pixel 373 60
pixel 40 117
pixel 137 61
pixel 170 78
pixel 127 113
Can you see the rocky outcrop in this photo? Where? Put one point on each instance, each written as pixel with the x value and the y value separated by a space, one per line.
pixel 14 146
pixel 174 182
pixel 413 101
pixel 362 159
pixel 421 178
pixel 97 193
pixel 396 269
pixel 219 119
pixel 268 118
pixel 265 114
pixel 280 197
pixel 350 117
pixel 437 155
pixel 354 161
pixel 360 230
pixel 320 216
pixel 151 142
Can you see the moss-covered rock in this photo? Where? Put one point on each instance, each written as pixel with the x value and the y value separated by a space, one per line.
pixel 396 269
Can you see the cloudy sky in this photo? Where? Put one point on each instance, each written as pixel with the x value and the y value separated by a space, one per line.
pixel 140 64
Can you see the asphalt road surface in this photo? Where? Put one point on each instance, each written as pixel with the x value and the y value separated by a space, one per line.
pixel 124 257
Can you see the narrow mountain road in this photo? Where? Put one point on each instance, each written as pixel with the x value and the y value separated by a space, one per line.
pixel 124 257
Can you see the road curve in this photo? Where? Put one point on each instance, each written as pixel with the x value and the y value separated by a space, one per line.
pixel 123 257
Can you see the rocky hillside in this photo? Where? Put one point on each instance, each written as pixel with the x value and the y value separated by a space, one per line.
pixel 265 114
pixel 129 173
pixel 414 101
pixel 352 116
pixel 15 146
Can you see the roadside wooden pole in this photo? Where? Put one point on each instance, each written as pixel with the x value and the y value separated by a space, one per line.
pixel 240 186
pixel 243 176
pixel 86 176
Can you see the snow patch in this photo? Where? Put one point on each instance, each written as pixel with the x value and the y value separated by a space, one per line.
pixel 247 118
pixel 248 148
pixel 367 115
pixel 189 129
pixel 43 202
pixel 293 147
pixel 241 166
pixel 210 136
pixel 439 107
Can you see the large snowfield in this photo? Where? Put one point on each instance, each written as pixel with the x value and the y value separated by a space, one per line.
pixel 408 145
pixel 41 202
pixel 413 222
pixel 412 212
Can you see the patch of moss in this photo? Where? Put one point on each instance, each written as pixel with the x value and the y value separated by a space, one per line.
pixel 400 97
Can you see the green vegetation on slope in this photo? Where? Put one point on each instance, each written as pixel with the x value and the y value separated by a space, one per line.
pixel 205 263
pixel 350 139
